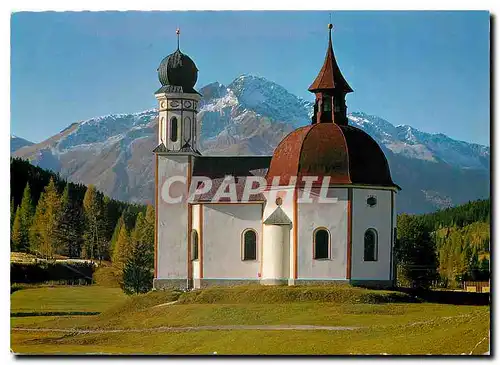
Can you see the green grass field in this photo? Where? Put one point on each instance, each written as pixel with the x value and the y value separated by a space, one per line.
pixel 65 299
pixel 385 322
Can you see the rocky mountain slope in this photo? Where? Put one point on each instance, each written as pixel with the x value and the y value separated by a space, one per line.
pixel 250 116
pixel 17 143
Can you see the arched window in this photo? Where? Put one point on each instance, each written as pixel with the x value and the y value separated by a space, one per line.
pixel 162 128
pixel 327 104
pixel 194 244
pixel 187 129
pixel 371 245
pixel 249 245
pixel 173 129
pixel 321 244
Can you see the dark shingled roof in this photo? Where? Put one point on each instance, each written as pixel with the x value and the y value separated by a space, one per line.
pixel 186 148
pixel 239 188
pixel 160 148
pixel 278 218
pixel 240 167
pixel 176 90
pixel 220 166
pixel 345 153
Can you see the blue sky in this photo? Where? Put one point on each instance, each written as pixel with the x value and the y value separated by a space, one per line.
pixel 426 69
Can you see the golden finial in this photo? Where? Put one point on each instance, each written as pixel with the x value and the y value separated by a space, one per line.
pixel 330 26
pixel 178 32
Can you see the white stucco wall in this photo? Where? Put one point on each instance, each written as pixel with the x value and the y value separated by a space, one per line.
pixel 333 217
pixel 172 222
pixel 222 245
pixel 379 218
pixel 286 193
pixel 394 225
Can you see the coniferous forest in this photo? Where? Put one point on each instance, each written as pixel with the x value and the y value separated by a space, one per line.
pixel 52 218
pixel 446 247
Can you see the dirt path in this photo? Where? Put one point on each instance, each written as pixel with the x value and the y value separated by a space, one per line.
pixel 197 328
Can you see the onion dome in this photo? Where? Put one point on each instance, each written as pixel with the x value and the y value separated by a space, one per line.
pixel 178 71
pixel 345 153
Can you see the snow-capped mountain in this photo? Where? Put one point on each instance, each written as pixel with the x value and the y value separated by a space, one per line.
pixel 410 142
pixel 270 99
pixel 251 116
pixel 251 94
pixel 17 143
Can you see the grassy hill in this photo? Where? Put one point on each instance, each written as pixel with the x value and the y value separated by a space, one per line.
pixel 246 320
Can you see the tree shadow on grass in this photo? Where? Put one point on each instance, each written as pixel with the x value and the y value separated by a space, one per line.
pixel 448 297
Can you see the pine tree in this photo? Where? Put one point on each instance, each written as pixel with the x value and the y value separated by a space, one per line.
pixel 52 214
pixel 122 249
pixel 69 228
pixel 137 273
pixel 35 233
pixel 25 211
pixel 50 219
pixel 473 269
pixel 138 269
pixel 12 212
pixel 108 221
pixel 136 235
pixel 42 232
pixel 148 234
pixel 114 237
pixel 16 233
pixel 484 269
pixel 415 252
pixel 94 237
pixel 102 248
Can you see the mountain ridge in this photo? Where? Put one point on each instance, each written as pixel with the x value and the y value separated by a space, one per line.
pixel 18 142
pixel 250 116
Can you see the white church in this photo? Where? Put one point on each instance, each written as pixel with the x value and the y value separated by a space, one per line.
pixel 286 234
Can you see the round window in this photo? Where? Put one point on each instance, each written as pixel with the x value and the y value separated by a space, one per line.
pixel 371 201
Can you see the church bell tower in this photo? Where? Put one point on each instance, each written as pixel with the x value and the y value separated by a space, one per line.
pixel 330 89
pixel 178 103
pixel 178 131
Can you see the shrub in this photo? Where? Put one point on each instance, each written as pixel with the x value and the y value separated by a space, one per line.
pixel 108 276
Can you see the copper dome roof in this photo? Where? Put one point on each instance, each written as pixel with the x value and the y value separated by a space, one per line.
pixel 345 153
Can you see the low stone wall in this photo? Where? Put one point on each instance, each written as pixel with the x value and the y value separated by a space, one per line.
pixel 273 282
pixel 319 282
pixel 204 283
pixel 162 284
